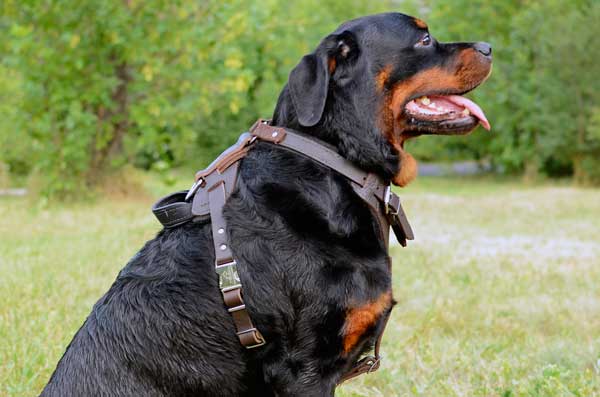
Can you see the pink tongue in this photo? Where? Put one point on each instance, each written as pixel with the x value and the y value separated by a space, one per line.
pixel 473 108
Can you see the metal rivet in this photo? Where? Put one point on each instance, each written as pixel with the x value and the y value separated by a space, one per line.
pixel 274 134
pixel 221 230
pixel 223 247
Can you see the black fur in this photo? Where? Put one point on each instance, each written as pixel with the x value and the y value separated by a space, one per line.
pixel 308 249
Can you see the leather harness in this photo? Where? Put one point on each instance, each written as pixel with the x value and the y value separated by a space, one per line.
pixel 206 198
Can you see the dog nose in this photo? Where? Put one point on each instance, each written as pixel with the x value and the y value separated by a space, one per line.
pixel 484 48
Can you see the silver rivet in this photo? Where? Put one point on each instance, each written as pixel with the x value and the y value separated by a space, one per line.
pixel 274 134
pixel 221 230
pixel 223 247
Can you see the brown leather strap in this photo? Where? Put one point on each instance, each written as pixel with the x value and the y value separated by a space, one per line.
pixel 228 157
pixel 225 265
pixel 368 193
pixel 318 151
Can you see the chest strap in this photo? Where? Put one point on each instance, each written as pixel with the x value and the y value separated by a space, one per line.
pixel 213 185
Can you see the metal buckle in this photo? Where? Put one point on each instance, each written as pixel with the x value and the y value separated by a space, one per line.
pixel 228 276
pixel 197 185
pixel 258 334
pixel 236 308
pixel 387 195
pixel 373 363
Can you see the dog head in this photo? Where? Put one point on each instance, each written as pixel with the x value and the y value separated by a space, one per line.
pixel 379 80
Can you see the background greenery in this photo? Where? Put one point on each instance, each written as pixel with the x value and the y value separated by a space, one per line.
pixel 89 87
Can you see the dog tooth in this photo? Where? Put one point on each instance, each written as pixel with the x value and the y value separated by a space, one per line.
pixel 425 101
pixel 466 112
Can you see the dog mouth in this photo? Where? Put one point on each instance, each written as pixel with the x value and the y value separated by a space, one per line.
pixel 442 115
pixel 433 114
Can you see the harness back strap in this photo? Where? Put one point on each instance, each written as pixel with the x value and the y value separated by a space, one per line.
pixel 213 185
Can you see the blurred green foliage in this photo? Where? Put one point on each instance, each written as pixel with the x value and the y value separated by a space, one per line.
pixel 88 87
pixel 543 97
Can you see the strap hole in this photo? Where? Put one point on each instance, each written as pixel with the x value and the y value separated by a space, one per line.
pixel 221 230
pixel 223 247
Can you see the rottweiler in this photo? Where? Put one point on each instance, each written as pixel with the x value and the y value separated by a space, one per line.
pixel 315 272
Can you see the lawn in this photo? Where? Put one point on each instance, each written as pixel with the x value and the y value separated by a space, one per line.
pixel 498 296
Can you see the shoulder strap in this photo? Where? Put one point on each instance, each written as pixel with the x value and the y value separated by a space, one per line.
pixel 318 151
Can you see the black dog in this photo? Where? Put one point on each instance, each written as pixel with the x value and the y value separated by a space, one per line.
pixel 315 272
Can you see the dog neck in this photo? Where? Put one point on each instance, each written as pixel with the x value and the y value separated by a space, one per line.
pixel 350 130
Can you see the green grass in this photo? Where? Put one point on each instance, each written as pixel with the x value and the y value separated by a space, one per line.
pixel 498 296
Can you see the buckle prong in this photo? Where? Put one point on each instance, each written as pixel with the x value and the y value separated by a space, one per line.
pixel 197 185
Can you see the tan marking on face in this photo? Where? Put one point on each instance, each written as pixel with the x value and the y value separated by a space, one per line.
pixel 331 65
pixel 408 169
pixel 361 318
pixel 420 23
pixel 382 77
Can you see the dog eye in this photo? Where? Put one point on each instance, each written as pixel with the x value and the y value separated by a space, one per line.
pixel 426 40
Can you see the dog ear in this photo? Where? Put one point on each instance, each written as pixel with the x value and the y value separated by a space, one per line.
pixel 309 80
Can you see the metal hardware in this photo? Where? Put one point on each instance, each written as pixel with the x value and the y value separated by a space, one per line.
pixel 228 275
pixel 373 364
pixel 257 334
pixel 227 289
pixel 197 185
pixel 386 198
pixel 236 308
pixel 388 208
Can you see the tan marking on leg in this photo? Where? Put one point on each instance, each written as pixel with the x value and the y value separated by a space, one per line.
pixel 360 319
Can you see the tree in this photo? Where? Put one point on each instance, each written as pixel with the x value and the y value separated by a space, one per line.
pixel 115 81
